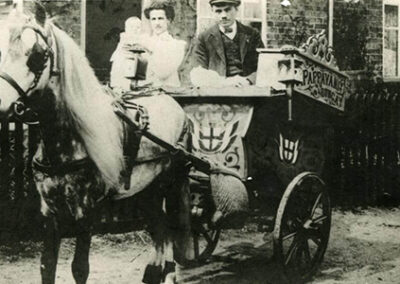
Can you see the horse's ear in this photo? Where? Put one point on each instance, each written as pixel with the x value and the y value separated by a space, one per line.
pixel 37 10
pixel 40 13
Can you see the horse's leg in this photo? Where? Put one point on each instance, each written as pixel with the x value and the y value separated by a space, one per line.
pixel 80 264
pixel 168 273
pixel 157 228
pixel 184 247
pixel 178 209
pixel 153 271
pixel 51 245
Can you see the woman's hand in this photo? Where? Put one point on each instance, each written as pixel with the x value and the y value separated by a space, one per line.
pixel 128 49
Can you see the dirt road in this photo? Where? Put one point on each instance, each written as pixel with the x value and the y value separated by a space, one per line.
pixel 364 248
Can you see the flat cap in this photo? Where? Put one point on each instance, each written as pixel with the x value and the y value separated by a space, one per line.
pixel 220 2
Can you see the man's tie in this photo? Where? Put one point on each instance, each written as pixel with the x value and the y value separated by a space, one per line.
pixel 228 30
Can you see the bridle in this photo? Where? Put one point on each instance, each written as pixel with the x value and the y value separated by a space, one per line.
pixel 37 63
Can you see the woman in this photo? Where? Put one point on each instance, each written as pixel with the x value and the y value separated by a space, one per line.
pixel 165 53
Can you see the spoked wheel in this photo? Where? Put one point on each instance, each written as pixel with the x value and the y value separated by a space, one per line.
pixel 204 238
pixel 302 227
pixel 205 241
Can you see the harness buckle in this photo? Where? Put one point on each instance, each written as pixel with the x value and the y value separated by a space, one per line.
pixel 19 108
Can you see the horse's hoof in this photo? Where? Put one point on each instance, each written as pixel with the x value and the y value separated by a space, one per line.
pixel 170 279
pixel 169 267
pixel 152 274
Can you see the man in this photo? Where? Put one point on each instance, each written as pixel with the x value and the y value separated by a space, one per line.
pixel 228 47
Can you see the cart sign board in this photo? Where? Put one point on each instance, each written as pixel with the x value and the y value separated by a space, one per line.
pixel 310 70
pixel 322 84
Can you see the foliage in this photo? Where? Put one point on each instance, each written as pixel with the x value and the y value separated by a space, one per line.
pixel 294 27
pixel 297 32
pixel 65 14
pixel 350 32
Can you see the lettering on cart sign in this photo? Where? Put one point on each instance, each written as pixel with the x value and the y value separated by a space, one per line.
pixel 323 85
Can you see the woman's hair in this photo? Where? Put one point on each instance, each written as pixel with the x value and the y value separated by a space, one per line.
pixel 161 5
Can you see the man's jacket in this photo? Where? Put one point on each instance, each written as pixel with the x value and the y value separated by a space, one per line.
pixel 209 50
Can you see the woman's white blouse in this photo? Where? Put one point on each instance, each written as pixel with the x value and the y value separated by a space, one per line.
pixel 166 56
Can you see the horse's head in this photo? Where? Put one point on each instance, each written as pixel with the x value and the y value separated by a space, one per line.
pixel 27 59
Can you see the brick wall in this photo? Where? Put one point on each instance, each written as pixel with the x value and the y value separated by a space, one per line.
pixel 375 34
pixel 294 24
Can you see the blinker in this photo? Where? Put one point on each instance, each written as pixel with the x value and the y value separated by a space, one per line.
pixel 37 59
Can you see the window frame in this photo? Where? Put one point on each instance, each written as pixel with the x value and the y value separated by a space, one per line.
pixel 262 20
pixel 384 28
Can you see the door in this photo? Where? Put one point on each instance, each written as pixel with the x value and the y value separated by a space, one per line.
pixel 105 20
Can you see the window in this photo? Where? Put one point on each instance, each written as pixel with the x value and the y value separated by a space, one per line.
pixel 5 8
pixel 391 38
pixel 251 12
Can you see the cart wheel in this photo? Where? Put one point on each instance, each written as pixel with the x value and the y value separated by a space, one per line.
pixel 302 227
pixel 205 241
pixel 203 237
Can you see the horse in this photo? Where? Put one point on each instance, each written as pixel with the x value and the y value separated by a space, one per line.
pixel 80 159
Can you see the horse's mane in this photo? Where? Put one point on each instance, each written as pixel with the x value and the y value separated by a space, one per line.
pixel 88 107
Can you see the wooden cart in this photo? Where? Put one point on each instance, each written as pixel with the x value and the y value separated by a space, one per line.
pixel 277 137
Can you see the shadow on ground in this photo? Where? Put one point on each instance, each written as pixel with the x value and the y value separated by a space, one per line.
pixel 243 262
pixel 363 247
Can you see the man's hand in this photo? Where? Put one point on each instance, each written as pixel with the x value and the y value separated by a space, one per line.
pixel 237 81
pixel 203 77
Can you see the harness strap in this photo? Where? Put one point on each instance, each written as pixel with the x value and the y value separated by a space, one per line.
pixel 63 168
pixel 48 39
pixel 131 142
pixel 13 84
pixel 132 135
pixel 151 158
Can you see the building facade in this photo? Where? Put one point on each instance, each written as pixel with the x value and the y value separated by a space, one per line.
pixel 364 33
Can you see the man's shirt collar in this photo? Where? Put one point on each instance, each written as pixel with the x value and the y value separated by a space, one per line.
pixel 230 34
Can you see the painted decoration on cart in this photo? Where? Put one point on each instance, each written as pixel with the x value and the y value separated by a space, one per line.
pixel 288 149
pixel 278 151
pixel 218 131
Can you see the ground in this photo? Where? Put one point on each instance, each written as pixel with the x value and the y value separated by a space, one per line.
pixel 364 248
